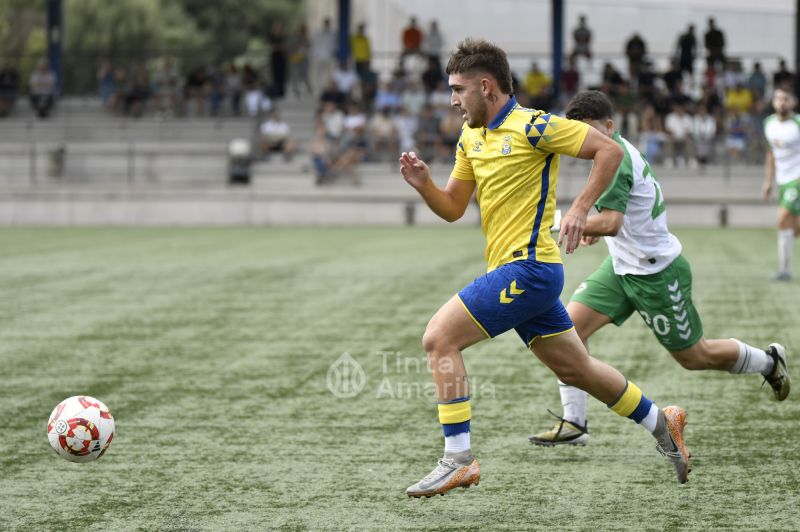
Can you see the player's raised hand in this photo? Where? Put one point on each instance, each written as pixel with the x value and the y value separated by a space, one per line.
pixel 414 170
pixel 572 225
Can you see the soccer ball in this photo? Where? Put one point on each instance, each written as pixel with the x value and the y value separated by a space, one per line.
pixel 80 429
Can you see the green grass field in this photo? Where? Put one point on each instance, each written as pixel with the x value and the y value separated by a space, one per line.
pixel 212 348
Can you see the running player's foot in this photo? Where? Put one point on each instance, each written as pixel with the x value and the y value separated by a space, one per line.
pixel 457 470
pixel 669 435
pixel 563 433
pixel 782 276
pixel 779 378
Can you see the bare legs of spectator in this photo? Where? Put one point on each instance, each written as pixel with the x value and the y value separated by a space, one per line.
pixel 347 162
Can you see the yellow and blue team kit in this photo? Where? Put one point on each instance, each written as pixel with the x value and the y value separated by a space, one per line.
pixel 514 162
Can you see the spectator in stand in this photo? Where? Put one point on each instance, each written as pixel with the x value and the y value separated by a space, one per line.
pixel 647 82
pixel 275 136
pixel 166 88
pixel 687 50
pixel 635 50
pixel 715 44
pixel 427 136
pixel 679 127
pixel 757 82
pixel 413 98
pixel 369 90
pixel 612 79
pixel 733 75
pixel 432 75
pixel 9 86
pixel 383 137
pixel 651 134
pixel 433 42
pixel 360 48
pixel 346 79
pixel 538 87
pixel 278 60
pixel 121 88
pixel 43 89
pixel 450 130
pixel 299 48
pixel 388 98
pixel 440 99
pixel 739 98
pixel 412 40
pixel 216 88
pixel 105 83
pixel 233 88
pixel 321 153
pixel 406 124
pixel 783 77
pixel 678 95
pixel 353 144
pixel 139 93
pixel 251 84
pixel 324 48
pixel 333 95
pixel 197 89
pixel 625 111
pixel 672 76
pixel 583 40
pixel 704 131
pixel 332 118
pixel 737 134
pixel 569 82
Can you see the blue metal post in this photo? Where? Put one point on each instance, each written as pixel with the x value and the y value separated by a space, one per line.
pixel 55 37
pixel 344 30
pixel 558 46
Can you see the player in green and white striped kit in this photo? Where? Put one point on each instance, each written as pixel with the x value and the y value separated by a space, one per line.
pixel 644 273
pixel 782 131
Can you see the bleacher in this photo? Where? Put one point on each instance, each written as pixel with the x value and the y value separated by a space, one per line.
pixel 175 171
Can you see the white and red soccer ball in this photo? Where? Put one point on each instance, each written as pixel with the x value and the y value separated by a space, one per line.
pixel 80 429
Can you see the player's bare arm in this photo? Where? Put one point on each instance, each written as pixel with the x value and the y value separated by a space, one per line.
pixel 769 175
pixel 607 155
pixel 449 203
pixel 606 223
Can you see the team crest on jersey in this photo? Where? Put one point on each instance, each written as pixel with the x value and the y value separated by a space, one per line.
pixel 506 145
pixel 478 145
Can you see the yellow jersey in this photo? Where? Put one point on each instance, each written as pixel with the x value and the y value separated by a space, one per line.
pixel 514 162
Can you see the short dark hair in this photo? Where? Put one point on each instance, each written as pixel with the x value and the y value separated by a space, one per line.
pixel 478 55
pixel 589 105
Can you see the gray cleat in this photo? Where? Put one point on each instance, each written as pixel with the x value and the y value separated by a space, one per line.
pixel 456 470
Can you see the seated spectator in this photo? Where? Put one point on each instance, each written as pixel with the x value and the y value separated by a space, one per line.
pixel 383 137
pixel 432 75
pixel 449 131
pixel 43 89
pixel 105 83
pixel 625 111
pixel 355 118
pixel 646 82
pixel 427 136
pixel 9 86
pixel 673 76
pixel 537 87
pixel 387 98
pixel 412 40
pixel 736 141
pixel 406 124
pixel 332 119
pixel 275 136
pixel 651 134
pixel 321 153
pixel 121 88
pixel 166 87
pixel 216 88
pixel 332 94
pixel 353 145
pixel 704 131
pixel 413 98
pixel 257 100
pixel 346 79
pixel 440 99
pixel 197 89
pixel 757 82
pixel 433 42
pixel 611 78
pixel 783 77
pixel 739 98
pixel 233 89
pixel 679 126
pixel 138 93
pixel 569 82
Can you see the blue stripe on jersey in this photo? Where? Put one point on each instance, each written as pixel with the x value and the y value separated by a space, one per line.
pixel 540 208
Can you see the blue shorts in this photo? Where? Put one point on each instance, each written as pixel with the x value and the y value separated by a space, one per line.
pixel 522 295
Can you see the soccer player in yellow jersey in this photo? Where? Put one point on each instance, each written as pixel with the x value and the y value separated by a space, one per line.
pixel 511 155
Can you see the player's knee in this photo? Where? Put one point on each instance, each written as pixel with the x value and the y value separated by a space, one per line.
pixel 433 340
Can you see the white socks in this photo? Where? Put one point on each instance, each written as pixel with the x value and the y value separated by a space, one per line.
pixel 574 402
pixel 785 244
pixel 457 443
pixel 752 360
pixel 650 420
